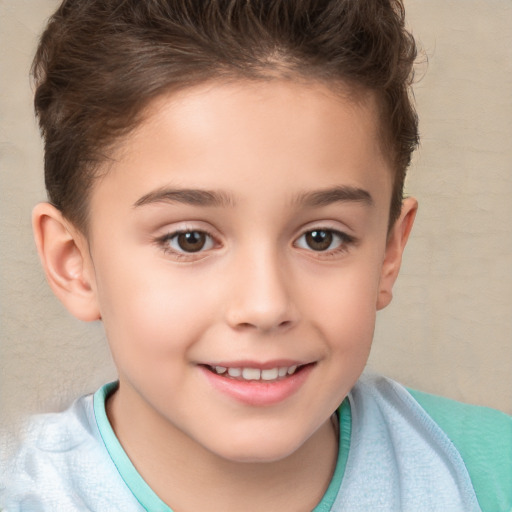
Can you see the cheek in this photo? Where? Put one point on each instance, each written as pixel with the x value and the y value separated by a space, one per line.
pixel 346 311
pixel 151 314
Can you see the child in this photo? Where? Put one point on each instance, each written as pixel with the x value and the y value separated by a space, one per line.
pixel 225 182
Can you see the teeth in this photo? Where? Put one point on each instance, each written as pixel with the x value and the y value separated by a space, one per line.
pixel 256 373
pixel 251 374
pixel 269 374
pixel 282 371
pixel 235 372
pixel 291 370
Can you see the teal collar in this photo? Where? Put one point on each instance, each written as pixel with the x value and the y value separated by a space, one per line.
pixel 147 497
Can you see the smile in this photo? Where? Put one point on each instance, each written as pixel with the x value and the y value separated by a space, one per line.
pixel 258 385
pixel 255 374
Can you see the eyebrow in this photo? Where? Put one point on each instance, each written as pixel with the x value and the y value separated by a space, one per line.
pixel 212 198
pixel 334 195
pixel 189 196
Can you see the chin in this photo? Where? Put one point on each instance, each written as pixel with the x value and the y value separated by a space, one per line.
pixel 259 448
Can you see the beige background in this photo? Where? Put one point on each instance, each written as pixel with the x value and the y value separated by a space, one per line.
pixel 449 328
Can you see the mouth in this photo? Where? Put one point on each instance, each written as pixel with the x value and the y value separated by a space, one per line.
pixel 258 384
pixel 248 374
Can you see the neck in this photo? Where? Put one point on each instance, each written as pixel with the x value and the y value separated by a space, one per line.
pixel 188 477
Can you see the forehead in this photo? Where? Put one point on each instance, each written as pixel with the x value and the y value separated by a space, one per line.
pixel 308 108
pixel 274 135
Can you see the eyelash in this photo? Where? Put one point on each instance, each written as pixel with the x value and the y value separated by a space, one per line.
pixel 343 243
pixel 165 243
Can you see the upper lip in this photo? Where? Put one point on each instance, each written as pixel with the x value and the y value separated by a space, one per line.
pixel 267 365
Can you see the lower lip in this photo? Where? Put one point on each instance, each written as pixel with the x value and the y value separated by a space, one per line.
pixel 257 392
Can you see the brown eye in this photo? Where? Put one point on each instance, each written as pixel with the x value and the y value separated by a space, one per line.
pixel 324 240
pixel 319 240
pixel 183 243
pixel 188 241
pixel 191 241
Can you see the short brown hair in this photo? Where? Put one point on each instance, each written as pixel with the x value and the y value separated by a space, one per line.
pixel 100 62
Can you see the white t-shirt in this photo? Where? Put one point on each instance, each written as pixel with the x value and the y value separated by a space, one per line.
pixel 392 457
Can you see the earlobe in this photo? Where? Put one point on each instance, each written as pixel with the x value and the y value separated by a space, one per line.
pixel 395 246
pixel 64 254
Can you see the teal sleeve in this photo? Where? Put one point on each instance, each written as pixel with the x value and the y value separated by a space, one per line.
pixel 483 437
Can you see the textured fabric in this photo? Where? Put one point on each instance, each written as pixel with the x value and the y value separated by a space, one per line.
pixel 483 437
pixel 63 466
pixel 399 459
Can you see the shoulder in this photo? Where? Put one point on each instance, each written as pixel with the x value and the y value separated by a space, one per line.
pixel 46 435
pixel 43 461
pixel 483 437
pixel 62 464
pixel 479 437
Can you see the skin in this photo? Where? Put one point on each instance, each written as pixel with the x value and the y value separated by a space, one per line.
pixel 257 294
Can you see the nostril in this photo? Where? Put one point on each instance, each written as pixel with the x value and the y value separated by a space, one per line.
pixel 248 325
pixel 245 325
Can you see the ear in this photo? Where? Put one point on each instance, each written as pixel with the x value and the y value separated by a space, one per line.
pixel 395 246
pixel 64 253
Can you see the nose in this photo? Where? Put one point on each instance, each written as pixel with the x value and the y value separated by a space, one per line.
pixel 261 298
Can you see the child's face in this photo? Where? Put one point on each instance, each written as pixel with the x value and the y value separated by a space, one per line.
pixel 243 229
